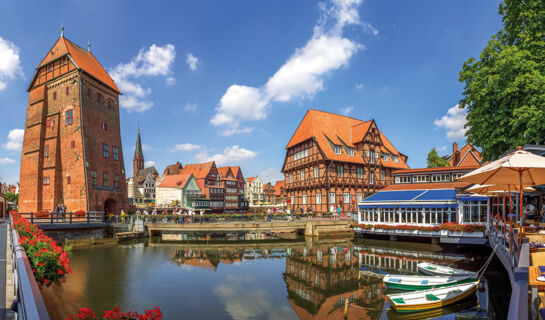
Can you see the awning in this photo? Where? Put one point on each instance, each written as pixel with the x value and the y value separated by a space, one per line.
pixel 411 206
pixel 385 206
pixel 402 195
pixel 444 194
pixel 470 198
pixel 368 206
pixel 439 206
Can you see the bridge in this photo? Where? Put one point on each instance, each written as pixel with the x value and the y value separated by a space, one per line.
pixel 310 227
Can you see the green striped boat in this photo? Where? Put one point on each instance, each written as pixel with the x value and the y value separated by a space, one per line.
pixel 413 283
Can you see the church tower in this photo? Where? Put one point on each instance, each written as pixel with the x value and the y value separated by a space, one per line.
pixel 138 160
pixel 72 150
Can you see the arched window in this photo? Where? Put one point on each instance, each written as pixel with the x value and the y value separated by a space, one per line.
pixel 89 92
pixel 110 104
pixel 100 98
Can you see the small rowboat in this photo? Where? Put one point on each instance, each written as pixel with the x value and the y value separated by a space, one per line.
pixel 439 270
pixel 431 299
pixel 406 282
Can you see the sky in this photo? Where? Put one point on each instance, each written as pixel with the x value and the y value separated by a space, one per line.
pixel 231 80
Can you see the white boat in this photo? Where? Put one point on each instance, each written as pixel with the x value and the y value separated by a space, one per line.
pixel 409 282
pixel 431 299
pixel 439 270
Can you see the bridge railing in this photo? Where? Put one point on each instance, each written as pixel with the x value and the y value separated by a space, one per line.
pixel 28 303
pixel 65 218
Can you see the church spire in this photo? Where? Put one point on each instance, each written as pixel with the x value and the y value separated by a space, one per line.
pixel 89 45
pixel 62 30
pixel 138 160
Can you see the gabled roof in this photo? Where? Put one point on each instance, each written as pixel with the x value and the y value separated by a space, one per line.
pixel 175 180
pixel 333 129
pixel 199 170
pixel 469 155
pixel 223 172
pixel 144 172
pixel 250 179
pixel 235 170
pixel 277 186
pixel 83 59
pixel 173 169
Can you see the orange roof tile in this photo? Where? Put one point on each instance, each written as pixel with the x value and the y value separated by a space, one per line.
pixel 175 180
pixel 439 169
pixel 199 170
pixel 224 171
pixel 423 186
pixel 235 170
pixel 251 179
pixel 329 128
pixel 83 59
pixel 277 186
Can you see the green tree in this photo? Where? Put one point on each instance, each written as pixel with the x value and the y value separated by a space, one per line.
pixel 505 89
pixel 13 197
pixel 434 160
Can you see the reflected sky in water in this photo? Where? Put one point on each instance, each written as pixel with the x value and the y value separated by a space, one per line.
pixel 250 281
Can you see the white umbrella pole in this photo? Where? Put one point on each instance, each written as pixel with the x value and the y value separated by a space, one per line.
pixel 520 210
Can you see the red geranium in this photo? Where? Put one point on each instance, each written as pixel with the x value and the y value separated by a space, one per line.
pixel 117 314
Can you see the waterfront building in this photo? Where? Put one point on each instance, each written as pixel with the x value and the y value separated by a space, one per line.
pixel 229 183
pixel 4 188
pixel 334 160
pixel 207 178
pixel 280 198
pixel 72 152
pixel 181 190
pixel 468 155
pixel 141 186
pixel 173 169
pixel 268 193
pixel 242 203
pixel 427 196
pixel 253 191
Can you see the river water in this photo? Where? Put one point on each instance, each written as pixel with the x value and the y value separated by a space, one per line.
pixel 265 280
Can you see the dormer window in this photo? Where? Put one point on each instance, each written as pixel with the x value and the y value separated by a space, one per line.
pixel 385 157
pixel 351 152
pixel 337 149
pixel 396 159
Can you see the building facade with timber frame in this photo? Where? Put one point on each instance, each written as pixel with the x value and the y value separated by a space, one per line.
pixel 334 160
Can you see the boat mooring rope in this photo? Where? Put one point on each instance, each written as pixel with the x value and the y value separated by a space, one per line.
pixel 487 263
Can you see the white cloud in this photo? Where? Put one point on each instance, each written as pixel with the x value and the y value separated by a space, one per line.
pixel 302 75
pixel 347 110
pixel 149 163
pixel 15 140
pixel 6 160
pixel 10 64
pixel 230 155
pixel 454 122
pixel 359 86
pixel 146 147
pixel 185 147
pixel 191 107
pixel 170 81
pixel 271 175
pixel 151 62
pixel 243 299
pixel 236 130
pixel 443 148
pixel 192 61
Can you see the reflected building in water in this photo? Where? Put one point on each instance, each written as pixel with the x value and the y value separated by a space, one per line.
pixel 320 280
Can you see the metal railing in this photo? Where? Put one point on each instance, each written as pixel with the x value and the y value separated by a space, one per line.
pixel 518 306
pixel 65 218
pixel 28 303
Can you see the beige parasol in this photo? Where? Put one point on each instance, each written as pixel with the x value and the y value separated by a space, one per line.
pixel 520 167
pixel 497 188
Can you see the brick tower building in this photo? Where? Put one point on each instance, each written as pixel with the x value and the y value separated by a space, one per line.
pixel 72 144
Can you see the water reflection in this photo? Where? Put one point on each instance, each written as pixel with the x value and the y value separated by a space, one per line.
pixel 260 281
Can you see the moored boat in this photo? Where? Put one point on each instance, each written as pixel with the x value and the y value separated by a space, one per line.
pixel 439 270
pixel 431 299
pixel 410 282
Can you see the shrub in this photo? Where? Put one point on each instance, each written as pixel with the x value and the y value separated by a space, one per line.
pixel 49 261
pixel 80 213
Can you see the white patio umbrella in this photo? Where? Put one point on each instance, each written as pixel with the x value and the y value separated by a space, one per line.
pixel 497 188
pixel 520 167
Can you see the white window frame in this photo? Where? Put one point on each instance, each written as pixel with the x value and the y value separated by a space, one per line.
pixel 371 177
pixel 359 172
pixel 331 198
pixel 338 149
pixel 316 172
pixel 318 198
pixel 302 175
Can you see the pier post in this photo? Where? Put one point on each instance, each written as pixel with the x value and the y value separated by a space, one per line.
pixel 308 229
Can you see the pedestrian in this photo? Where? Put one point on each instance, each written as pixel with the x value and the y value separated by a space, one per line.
pixel 339 211
pixel 63 213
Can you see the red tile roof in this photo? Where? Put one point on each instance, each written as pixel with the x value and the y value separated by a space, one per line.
pixel 82 58
pixel 173 169
pixel 439 169
pixel 235 170
pixel 224 171
pixel 175 181
pixel 423 186
pixel 251 179
pixel 327 128
pixel 277 186
pixel 199 170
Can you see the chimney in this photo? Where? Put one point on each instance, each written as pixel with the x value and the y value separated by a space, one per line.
pixel 455 154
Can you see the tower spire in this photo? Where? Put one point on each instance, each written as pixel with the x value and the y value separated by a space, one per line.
pixel 89 45
pixel 62 30
pixel 138 160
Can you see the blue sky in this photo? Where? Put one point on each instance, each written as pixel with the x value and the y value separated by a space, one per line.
pixel 231 80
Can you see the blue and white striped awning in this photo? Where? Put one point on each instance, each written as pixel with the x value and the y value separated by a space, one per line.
pixel 425 198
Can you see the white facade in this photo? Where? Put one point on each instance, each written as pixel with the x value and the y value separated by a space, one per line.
pixel 253 192
pixel 164 196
